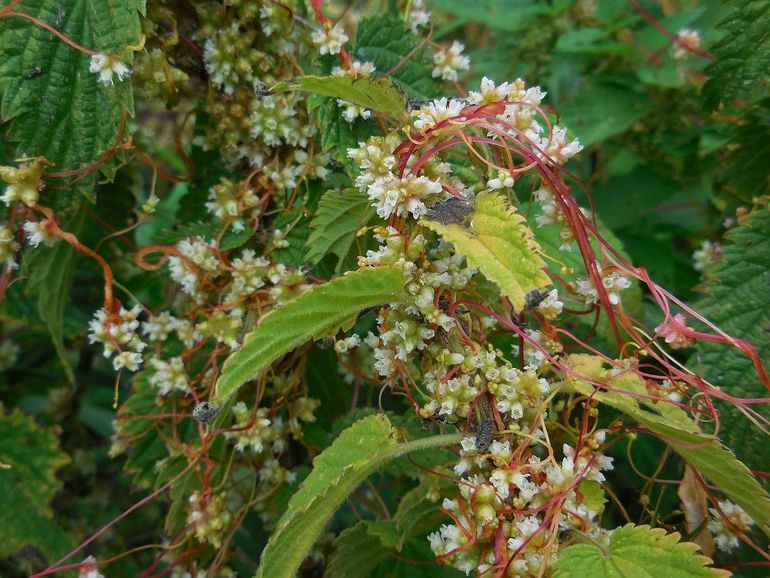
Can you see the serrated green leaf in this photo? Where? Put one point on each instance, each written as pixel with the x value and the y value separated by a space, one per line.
pixel 737 300
pixel 702 451
pixel 375 93
pixel 636 551
pixel 52 270
pixel 340 215
pixel 496 14
pixel 58 108
pixel 500 244
pixel 384 41
pixel 358 452
pixel 29 458
pixel 319 311
pixel 742 56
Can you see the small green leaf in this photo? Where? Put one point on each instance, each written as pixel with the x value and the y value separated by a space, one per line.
pixel 700 450
pixel 356 552
pixel 58 108
pixel 319 311
pixel 501 245
pixel 29 458
pixel 340 215
pixel 636 551
pixel 377 94
pixel 357 453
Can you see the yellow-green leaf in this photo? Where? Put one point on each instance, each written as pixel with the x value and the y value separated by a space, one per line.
pixel 500 244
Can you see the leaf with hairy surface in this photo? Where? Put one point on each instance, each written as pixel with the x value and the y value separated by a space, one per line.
pixel 357 453
pixel 702 451
pixel 320 311
pixel 636 551
pixel 738 302
pixel 57 107
pixel 499 243
pixel 29 458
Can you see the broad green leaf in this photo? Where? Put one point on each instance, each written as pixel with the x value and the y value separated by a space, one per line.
pixel 702 451
pixel 500 244
pixel 737 300
pixel 319 311
pixel 52 270
pixel 375 93
pixel 636 551
pixel 58 108
pixel 497 14
pixel 339 217
pixel 337 134
pixel 29 458
pixel 621 108
pixel 356 553
pixel 384 41
pixel 357 453
pixel 743 54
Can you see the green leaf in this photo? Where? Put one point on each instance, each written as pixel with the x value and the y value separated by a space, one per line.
pixel 636 551
pixel 339 217
pixel 29 458
pixel 702 451
pixel 338 135
pixel 52 270
pixel 384 41
pixel 742 56
pixel 497 14
pixel 500 244
pixel 319 311
pixel 357 453
pixel 356 553
pixel 621 108
pixel 738 302
pixel 375 93
pixel 58 108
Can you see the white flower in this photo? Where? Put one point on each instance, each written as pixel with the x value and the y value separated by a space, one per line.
pixel 8 248
pixel 551 307
pixel 356 69
pixel 503 180
pixel 352 111
pixel 556 148
pixel 89 569
pixel 686 41
pixel 437 111
pixel 169 375
pixel 708 254
pixel 613 283
pixel 488 92
pixel 449 60
pixel 37 233
pixel 406 195
pixel 329 40
pixel 131 360
pixel 105 66
pixel 419 17
pixel 726 536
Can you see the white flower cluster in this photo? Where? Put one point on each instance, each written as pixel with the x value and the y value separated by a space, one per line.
pixel 612 281
pixel 329 40
pixel 228 68
pixel 707 255
pixel 196 258
pixel 118 334
pixel 418 17
pixel 8 248
pixel 275 122
pixel 170 375
pixel 687 40
pixel 210 517
pixel 493 485
pixel 448 61
pixel 228 200
pixel 24 182
pixel 729 525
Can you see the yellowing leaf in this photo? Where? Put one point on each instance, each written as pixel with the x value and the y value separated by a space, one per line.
pixel 500 244
pixel 636 551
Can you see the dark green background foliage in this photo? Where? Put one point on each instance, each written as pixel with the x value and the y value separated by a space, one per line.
pixel 672 149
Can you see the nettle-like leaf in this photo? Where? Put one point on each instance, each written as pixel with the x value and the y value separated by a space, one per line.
pixel 743 55
pixel 357 453
pixel 375 93
pixel 702 451
pixel 318 312
pixel 29 458
pixel 737 301
pixel 384 41
pixel 339 217
pixel 58 108
pixel 499 243
pixel 337 135
pixel 636 551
